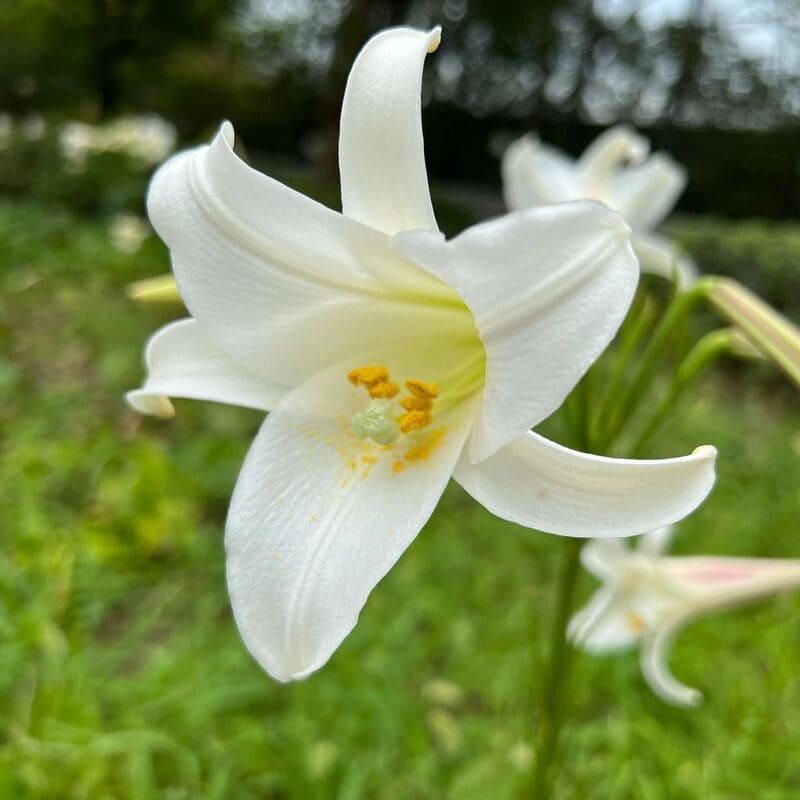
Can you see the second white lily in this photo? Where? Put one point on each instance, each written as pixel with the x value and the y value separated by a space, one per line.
pixel 615 169
pixel 389 359
pixel 647 597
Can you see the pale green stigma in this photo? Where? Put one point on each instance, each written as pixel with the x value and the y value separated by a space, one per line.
pixel 376 421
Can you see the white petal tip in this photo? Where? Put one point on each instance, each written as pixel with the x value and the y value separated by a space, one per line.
pixel 150 404
pixel 636 146
pixel 227 133
pixel 434 38
pixel 706 451
pixel 683 697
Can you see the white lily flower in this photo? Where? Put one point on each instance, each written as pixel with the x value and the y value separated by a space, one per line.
pixel 389 359
pixel 647 597
pixel 616 170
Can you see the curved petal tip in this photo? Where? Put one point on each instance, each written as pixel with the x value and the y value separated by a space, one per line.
pixel 706 451
pixel 434 38
pixel 145 402
pixel 227 133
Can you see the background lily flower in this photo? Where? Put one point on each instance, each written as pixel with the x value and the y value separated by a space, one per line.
pixel 616 170
pixel 647 597
pixel 389 359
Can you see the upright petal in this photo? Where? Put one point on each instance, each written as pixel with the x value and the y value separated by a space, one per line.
pixel 548 288
pixel 604 558
pixel 381 150
pixel 656 543
pixel 318 517
pixel 540 484
pixel 282 284
pixel 182 361
pixel 536 175
pixel 605 155
pixel 645 193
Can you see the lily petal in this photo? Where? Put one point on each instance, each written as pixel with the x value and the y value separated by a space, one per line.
pixel 535 174
pixel 656 543
pixel 659 256
pixel 645 193
pixel 719 581
pixel 602 625
pixel 318 517
pixel 548 288
pixel 282 284
pixel 182 361
pixel 381 151
pixel 654 660
pixel 604 557
pixel 540 484
pixel 605 155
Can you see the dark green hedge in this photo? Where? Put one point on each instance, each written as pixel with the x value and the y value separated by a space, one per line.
pixel 765 256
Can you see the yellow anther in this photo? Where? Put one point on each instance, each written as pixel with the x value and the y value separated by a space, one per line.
pixel 422 388
pixel 414 420
pixel 368 376
pixel 417 403
pixel 383 390
pixel 398 466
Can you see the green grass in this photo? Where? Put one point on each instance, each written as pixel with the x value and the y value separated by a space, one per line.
pixel 122 674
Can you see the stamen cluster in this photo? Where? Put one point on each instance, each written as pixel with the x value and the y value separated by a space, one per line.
pixel 377 420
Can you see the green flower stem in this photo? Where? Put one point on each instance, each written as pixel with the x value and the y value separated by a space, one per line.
pixel 556 678
pixel 641 320
pixel 625 404
pixel 709 348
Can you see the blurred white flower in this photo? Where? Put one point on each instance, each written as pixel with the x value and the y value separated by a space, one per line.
pixel 147 138
pixel 647 597
pixel 485 335
pixel 128 232
pixel 616 170
pixel 75 139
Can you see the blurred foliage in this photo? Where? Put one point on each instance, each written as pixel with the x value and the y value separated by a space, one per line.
pixel 277 68
pixel 104 183
pixel 97 55
pixel 121 672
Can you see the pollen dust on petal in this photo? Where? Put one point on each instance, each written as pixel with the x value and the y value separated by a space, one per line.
pixel 358 457
pixel 636 623
pixel 425 446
